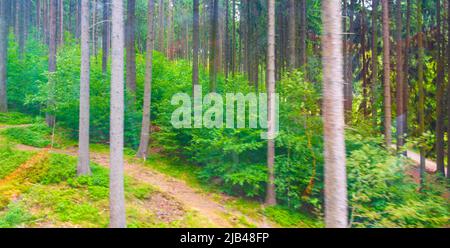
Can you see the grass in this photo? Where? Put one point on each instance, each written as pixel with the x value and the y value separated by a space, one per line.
pixel 11 160
pixel 15 118
pixel 52 195
pixel 250 208
pixel 38 135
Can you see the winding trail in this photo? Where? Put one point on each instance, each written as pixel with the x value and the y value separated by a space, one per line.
pixel 212 208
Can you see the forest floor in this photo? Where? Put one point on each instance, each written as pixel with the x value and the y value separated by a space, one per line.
pixel 174 195
pixel 176 198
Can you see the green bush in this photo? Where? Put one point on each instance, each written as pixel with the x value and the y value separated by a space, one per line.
pixel 37 135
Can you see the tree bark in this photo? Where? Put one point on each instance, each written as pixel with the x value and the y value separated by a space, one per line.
pixel 117 197
pixel 303 34
pixel 3 56
pixel 131 50
pixel 291 35
pixel 387 74
pixel 400 79
pixel 271 193
pixel 440 95
pixel 348 86
pixel 146 115
pixel 83 143
pixel 61 22
pixel 106 37
pixel 233 43
pixel 333 114
pixel 363 59
pixel 170 32
pixel 420 79
pixel 50 119
pixel 161 27
pixel 448 93
pixel 214 45
pixel 196 41
pixel 374 62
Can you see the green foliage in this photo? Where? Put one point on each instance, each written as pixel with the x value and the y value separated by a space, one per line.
pixel 37 135
pixel 14 118
pixel 15 216
pixel 11 160
pixel 381 195
pixel 287 218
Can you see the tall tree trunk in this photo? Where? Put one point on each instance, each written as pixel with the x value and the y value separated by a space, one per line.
pixel 117 196
pixel 214 45
pixel 161 26
pixel 227 38
pixel 106 36
pixel 94 28
pixel 291 35
pixel 387 74
pixel 303 24
pixel 50 119
pixel 196 41
pixel 146 117
pixel 61 22
pixel 406 69
pixel 373 96
pixel 271 193
pixel 131 49
pixel 38 19
pixel 333 114
pixel 400 79
pixel 363 59
pixel 420 72
pixel 348 86
pixel 233 43
pixel 170 32
pixel 448 93
pixel 3 56
pixel 440 95
pixel 20 25
pixel 83 143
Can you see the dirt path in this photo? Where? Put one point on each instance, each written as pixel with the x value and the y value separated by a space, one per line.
pixel 193 199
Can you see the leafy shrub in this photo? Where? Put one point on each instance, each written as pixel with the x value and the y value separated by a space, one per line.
pixel 37 135
pixel 14 216
pixel 15 118
pixel 11 160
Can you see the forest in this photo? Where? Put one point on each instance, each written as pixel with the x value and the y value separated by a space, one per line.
pixel 121 113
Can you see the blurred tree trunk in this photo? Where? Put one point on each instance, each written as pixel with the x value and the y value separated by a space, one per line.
pixel 170 32
pixel 387 74
pixel 420 79
pixel 146 115
pixel 131 50
pixel 61 22
pixel 83 142
pixel 406 69
pixel 117 196
pixel 348 85
pixel 303 34
pixel 214 45
pixel 50 118
pixel 400 78
pixel 3 56
pixel 440 90
pixel 161 27
pixel 106 36
pixel 333 115
pixel 196 41
pixel 373 96
pixel 291 35
pixel 271 193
